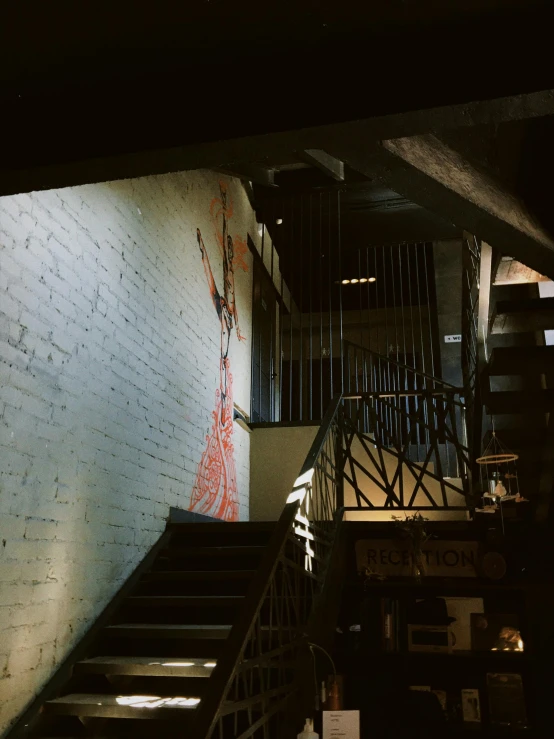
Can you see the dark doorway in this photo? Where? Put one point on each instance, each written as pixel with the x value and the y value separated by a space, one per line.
pixel 264 304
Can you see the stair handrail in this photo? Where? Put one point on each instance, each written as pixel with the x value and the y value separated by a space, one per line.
pixel 383 357
pixel 297 520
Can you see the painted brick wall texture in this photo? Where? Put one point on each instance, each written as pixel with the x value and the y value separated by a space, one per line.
pixel 109 349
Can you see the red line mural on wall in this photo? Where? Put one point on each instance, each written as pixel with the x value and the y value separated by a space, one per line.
pixel 215 489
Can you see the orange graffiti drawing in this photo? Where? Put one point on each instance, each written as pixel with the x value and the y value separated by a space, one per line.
pixel 241 249
pixel 215 489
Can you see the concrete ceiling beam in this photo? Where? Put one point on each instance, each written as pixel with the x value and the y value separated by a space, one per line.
pixel 270 149
pixel 250 173
pixel 437 177
pixel 327 164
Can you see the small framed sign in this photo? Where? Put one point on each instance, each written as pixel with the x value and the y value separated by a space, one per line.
pixel 341 725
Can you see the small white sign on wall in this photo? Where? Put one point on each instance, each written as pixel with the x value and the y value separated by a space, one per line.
pixel 341 725
pixel 453 339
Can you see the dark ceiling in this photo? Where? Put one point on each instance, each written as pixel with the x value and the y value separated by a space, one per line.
pixel 111 90
pixel 371 213
pixel 379 215
pixel 82 84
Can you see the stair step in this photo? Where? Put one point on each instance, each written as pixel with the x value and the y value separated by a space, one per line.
pixel 220 534
pixel 521 360
pixel 522 316
pixel 169 631
pixel 121 706
pixel 209 558
pixel 217 527
pixel 518 439
pixel 519 401
pixel 184 601
pixel 147 666
pixel 203 575
pixel 215 551
pixel 180 581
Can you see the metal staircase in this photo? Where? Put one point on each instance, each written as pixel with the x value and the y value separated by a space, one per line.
pixel 210 638
pixel 509 371
pixel 150 666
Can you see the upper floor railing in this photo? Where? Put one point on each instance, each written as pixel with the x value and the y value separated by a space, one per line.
pixel 405 409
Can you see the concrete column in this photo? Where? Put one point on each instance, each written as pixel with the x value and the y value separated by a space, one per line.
pixel 448 275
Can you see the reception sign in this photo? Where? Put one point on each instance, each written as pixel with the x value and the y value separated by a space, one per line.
pixel 393 558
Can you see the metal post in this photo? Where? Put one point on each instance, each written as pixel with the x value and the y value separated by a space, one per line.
pixel 291 293
pixel 311 319
pixel 485 281
pixel 320 307
pixel 330 280
pixel 339 248
pixel 301 308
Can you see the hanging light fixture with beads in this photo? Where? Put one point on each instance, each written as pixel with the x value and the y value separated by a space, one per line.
pixel 498 472
pixel 499 478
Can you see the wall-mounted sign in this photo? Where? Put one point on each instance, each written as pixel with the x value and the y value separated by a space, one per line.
pixel 394 558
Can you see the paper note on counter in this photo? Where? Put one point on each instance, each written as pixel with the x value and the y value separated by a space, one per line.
pixel 341 725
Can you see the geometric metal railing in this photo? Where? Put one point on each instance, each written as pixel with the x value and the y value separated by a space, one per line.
pixel 411 425
pixel 367 371
pixel 416 462
pixel 255 677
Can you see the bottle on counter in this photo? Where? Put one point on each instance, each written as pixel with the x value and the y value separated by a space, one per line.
pixel 308 731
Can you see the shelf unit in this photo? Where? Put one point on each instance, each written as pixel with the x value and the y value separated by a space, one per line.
pixel 377 681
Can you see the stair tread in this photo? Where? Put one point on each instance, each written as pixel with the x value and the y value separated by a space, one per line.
pixel 109 700
pixel 122 706
pixel 184 600
pixel 521 359
pixel 514 401
pixel 522 316
pixel 197 631
pixel 219 526
pixel 183 627
pixel 149 666
pixel 214 551
pixel 518 438
pixel 170 626
pixel 198 574
pixel 524 305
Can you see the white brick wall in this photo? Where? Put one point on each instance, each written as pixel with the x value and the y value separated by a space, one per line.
pixel 109 349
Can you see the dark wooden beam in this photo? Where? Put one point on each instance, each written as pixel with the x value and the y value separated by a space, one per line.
pixel 271 148
pixel 250 173
pixel 427 171
pixel 325 162
pixel 213 88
